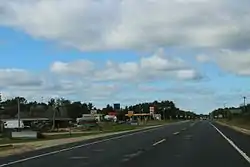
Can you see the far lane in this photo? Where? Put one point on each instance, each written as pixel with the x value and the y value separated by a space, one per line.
pixel 198 146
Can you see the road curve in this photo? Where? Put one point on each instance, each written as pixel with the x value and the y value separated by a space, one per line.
pixel 186 144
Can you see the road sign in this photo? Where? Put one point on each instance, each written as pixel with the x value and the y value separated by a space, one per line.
pixel 130 113
pixel 151 110
pixel 117 106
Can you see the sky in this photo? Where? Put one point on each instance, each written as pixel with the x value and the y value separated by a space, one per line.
pixel 193 52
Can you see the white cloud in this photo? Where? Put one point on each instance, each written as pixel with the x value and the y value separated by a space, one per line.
pixel 236 62
pixel 32 89
pixel 178 90
pixel 189 74
pixel 80 67
pixel 18 77
pixel 202 58
pixel 155 67
pixel 112 24
pixel 88 81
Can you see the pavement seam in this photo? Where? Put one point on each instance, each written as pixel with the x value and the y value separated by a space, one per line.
pixel 244 155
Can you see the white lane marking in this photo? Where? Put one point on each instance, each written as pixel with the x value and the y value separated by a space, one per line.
pixel 98 150
pixel 134 154
pixel 176 133
pixel 130 156
pixel 191 125
pixel 78 157
pixel 244 155
pixel 125 159
pixel 184 129
pixel 79 146
pixel 159 142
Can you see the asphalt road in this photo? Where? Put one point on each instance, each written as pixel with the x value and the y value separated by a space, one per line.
pixel 188 144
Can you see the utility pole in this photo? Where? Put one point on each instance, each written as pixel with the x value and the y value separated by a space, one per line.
pixel 244 102
pixel 18 112
pixel 225 114
pixel 164 113
pixel 141 114
pixel 1 107
pixel 55 108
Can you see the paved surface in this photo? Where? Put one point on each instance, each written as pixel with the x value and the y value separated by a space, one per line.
pixel 186 144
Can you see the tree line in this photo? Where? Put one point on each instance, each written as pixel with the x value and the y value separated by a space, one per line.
pixel 74 109
pixel 227 112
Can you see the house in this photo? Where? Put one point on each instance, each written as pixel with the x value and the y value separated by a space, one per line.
pixel 40 115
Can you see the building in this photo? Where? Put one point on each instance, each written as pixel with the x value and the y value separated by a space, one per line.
pixel 39 116
pixel 236 111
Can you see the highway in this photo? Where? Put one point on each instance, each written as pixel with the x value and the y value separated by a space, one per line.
pixel 185 144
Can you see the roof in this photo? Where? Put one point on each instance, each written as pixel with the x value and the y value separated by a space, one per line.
pixel 26 119
pixel 37 119
pixel 142 114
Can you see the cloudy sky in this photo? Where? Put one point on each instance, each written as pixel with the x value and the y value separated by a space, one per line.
pixel 194 52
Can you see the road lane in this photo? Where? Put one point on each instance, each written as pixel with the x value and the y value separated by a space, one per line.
pixel 198 146
pixel 240 139
pixel 109 152
pixel 179 145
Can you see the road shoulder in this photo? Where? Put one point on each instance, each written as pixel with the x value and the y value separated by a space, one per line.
pixel 236 128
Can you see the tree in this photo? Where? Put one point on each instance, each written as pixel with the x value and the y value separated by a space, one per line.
pixel 90 106
pixel 107 109
pixel 75 109
pixel 52 102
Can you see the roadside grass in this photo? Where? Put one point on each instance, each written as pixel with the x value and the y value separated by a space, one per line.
pixel 239 122
pixel 107 127
pixel 94 131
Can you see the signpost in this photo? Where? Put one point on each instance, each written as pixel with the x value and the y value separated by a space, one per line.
pixel 130 113
pixel 18 113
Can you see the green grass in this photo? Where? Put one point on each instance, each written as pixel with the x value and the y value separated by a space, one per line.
pixel 67 135
pixel 106 128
